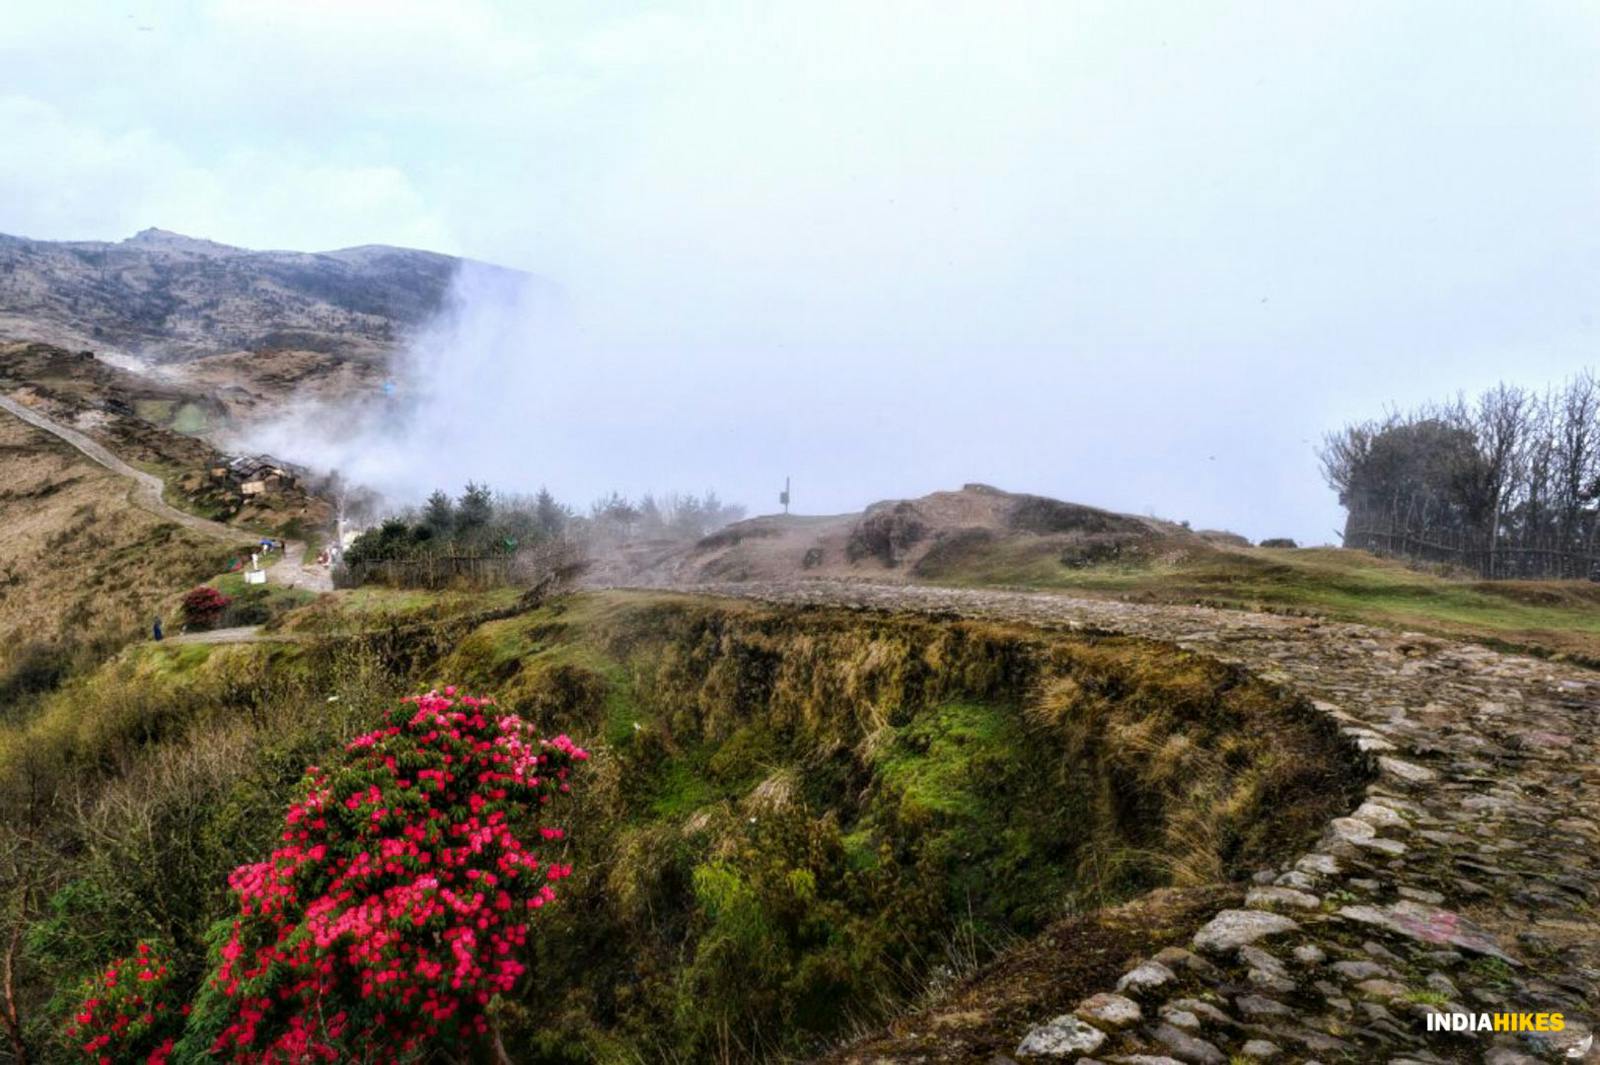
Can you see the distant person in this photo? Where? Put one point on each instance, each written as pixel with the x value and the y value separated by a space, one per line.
pixel 155 629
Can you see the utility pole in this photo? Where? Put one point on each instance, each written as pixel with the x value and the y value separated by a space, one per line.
pixel 783 496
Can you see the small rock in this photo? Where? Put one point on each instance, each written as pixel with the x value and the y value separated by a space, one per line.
pixel 1379 816
pixel 1260 1050
pixel 1176 958
pixel 1358 970
pixel 1264 960
pixel 1110 1011
pixel 1204 1010
pixel 1232 929
pixel 1181 1019
pixel 1432 898
pixel 1145 978
pixel 1260 1006
pixel 1265 981
pixel 1409 772
pixel 1384 989
pixel 1281 897
pixel 1060 1037
pixel 1375 1012
pixel 1310 954
pixel 1320 864
pixel 1186 1047
pixel 1392 847
pixel 1351 830
pixel 1443 984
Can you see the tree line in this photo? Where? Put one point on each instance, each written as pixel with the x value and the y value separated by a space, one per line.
pixel 481 521
pixel 1506 483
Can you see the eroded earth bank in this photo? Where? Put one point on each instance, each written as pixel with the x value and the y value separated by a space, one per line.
pixel 1465 879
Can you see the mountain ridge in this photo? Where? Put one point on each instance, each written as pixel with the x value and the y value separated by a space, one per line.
pixel 164 296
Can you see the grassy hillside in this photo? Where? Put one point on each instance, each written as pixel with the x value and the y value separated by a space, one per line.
pixel 1547 617
pixel 78 561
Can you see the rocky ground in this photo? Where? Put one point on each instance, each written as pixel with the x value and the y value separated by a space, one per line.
pixel 1466 882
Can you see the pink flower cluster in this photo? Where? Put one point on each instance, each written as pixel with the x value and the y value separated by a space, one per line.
pixel 397 906
pixel 127 1012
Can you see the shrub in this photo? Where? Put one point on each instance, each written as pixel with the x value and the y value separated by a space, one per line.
pixel 202 606
pixel 129 1012
pixel 1279 541
pixel 397 908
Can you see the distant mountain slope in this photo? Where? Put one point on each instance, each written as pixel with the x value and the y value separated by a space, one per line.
pixel 164 296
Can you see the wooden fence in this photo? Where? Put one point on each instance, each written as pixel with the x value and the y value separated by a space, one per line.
pixel 1503 563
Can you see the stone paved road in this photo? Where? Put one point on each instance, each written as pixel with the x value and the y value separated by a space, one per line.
pixel 1467 881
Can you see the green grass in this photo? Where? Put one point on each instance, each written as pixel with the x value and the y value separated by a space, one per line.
pixel 1554 617
pixel 155 411
pixel 190 418
pixel 369 607
pixel 179 417
pixel 931 760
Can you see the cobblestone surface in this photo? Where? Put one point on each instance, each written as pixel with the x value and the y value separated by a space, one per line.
pixel 1467 881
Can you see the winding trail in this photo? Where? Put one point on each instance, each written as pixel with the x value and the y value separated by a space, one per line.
pixel 1468 881
pixel 148 493
pixel 148 488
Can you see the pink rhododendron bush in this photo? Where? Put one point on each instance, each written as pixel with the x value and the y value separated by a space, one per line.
pixel 398 905
pixel 128 1012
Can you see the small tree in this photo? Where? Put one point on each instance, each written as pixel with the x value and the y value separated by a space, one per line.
pixel 439 515
pixel 203 606
pixel 549 516
pixel 398 906
pixel 474 509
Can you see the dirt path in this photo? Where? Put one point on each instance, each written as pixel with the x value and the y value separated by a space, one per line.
pixel 242 634
pixel 148 493
pixel 148 488
pixel 291 572
pixel 1467 882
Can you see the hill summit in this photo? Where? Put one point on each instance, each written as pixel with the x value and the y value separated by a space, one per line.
pixel 934 537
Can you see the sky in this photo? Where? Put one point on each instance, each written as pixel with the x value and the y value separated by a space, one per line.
pixel 1128 254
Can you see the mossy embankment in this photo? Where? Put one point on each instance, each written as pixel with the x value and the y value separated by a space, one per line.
pixel 796 822
pixel 799 820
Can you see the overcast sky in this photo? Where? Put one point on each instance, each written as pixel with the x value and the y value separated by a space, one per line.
pixel 1136 255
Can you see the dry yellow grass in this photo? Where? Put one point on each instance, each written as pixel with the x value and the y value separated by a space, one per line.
pixel 77 558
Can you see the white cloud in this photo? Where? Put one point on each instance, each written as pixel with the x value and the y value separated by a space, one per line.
pixel 71 180
pixel 994 236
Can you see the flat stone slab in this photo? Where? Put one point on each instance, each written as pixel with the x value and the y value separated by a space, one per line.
pixel 1145 978
pixel 1063 1037
pixel 1282 897
pixel 1232 929
pixel 1429 924
pixel 1110 1011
